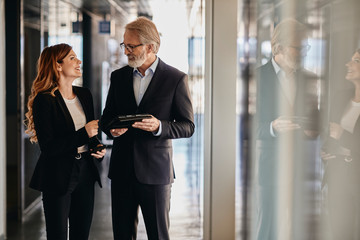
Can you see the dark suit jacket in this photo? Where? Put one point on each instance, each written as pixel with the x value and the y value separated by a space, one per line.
pixel 58 140
pixel 270 104
pixel 139 153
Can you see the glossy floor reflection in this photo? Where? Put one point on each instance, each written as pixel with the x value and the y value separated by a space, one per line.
pixel 185 212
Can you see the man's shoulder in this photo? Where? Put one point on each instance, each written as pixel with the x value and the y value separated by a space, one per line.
pixel 121 73
pixel 265 71
pixel 122 70
pixel 162 66
pixel 265 67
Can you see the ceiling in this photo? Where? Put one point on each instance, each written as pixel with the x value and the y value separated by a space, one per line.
pixel 59 15
pixel 118 9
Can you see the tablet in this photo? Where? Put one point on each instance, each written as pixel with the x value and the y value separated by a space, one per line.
pixel 125 121
pixel 304 122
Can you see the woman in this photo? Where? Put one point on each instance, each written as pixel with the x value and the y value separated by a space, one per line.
pixel 60 118
pixel 342 158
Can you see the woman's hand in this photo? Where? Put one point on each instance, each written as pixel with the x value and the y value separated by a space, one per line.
pixel 327 156
pixel 92 128
pixel 118 131
pixel 99 154
pixel 335 130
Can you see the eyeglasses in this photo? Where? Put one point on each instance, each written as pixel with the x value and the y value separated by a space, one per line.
pixel 130 48
pixel 303 49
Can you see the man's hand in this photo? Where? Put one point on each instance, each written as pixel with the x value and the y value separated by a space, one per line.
pixel 148 124
pixel 281 125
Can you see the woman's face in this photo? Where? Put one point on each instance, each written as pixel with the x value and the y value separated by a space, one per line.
pixel 353 68
pixel 70 66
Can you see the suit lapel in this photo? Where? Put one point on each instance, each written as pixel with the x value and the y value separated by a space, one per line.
pixel 273 85
pixel 64 110
pixel 128 84
pixel 155 81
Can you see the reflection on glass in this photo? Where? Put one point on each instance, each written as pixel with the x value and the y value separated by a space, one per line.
pixel 303 116
pixel 341 158
pixel 285 128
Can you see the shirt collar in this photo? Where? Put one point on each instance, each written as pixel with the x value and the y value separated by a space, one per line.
pixel 152 67
pixel 276 66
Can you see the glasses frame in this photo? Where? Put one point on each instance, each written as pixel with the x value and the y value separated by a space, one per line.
pixel 304 49
pixel 130 48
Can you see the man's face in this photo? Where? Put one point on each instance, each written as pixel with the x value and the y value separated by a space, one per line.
pixel 294 53
pixel 138 56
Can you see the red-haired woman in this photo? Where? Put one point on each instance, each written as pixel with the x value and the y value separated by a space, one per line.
pixel 342 157
pixel 60 118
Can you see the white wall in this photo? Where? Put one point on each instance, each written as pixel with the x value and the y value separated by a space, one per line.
pixel 2 124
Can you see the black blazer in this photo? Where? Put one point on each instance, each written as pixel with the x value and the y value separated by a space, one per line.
pixel 58 140
pixel 138 152
pixel 334 167
pixel 337 108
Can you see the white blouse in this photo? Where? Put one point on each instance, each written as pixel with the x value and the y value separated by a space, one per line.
pixel 77 113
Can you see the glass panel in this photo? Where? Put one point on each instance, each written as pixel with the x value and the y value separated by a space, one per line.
pixel 300 98
pixel 247 46
pixel 32 38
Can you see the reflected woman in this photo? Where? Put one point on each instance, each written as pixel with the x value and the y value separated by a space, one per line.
pixel 342 157
pixel 60 118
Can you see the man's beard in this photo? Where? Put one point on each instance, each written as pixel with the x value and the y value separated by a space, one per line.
pixel 293 63
pixel 136 61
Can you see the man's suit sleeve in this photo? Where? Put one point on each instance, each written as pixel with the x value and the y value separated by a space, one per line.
pixel 183 124
pixel 264 101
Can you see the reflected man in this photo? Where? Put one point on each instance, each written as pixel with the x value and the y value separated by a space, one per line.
pixel 286 112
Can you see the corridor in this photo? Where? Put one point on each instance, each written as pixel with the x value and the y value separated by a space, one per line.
pixel 185 213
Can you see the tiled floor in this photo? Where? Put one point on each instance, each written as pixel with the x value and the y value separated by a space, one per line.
pixel 185 213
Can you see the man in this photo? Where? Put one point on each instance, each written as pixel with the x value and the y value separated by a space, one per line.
pixel 141 168
pixel 286 117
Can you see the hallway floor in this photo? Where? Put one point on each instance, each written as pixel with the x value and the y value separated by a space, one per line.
pixel 185 212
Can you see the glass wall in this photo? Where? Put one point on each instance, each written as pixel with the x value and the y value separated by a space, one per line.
pixel 2 124
pixel 298 82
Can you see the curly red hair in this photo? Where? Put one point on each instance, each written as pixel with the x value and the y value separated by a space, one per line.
pixel 46 80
